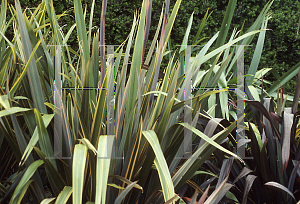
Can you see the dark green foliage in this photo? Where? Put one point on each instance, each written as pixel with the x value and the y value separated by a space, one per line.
pixel 281 49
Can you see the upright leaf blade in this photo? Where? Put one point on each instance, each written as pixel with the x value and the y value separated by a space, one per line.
pixel 78 174
pixel 161 165
pixel 136 63
pixel 81 31
pixel 103 162
pixel 44 139
pixel 226 23
pixel 32 73
pixel 287 128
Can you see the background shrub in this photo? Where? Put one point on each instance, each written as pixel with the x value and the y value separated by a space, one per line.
pixel 281 49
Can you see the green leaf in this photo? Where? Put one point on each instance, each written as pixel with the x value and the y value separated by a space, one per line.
pixel 98 116
pixel 4 101
pixel 204 172
pixel 55 179
pixel 64 195
pixel 258 50
pixel 115 186
pixel 164 121
pixel 79 161
pixel 287 76
pixel 12 110
pixel 25 178
pixel 3 13
pixel 33 75
pixel 47 200
pixel 136 63
pixel 201 26
pixel 18 81
pixel 226 23
pixel 200 60
pixel 209 140
pixel 186 36
pixel 122 195
pixel 161 165
pixel 296 96
pixel 81 31
pixel 34 138
pixel 171 20
pixel 103 162
pixel 88 144
pixel 21 193
pixel 254 92
pixel 137 186
pixel 44 140
pixel 91 22
pixel 183 174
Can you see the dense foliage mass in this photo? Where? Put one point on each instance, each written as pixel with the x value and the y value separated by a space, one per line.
pixel 79 124
pixel 281 47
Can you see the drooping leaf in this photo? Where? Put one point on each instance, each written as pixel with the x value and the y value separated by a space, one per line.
pixel 88 144
pixel 124 192
pixel 209 140
pixel 245 171
pixel 280 187
pixel 12 110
